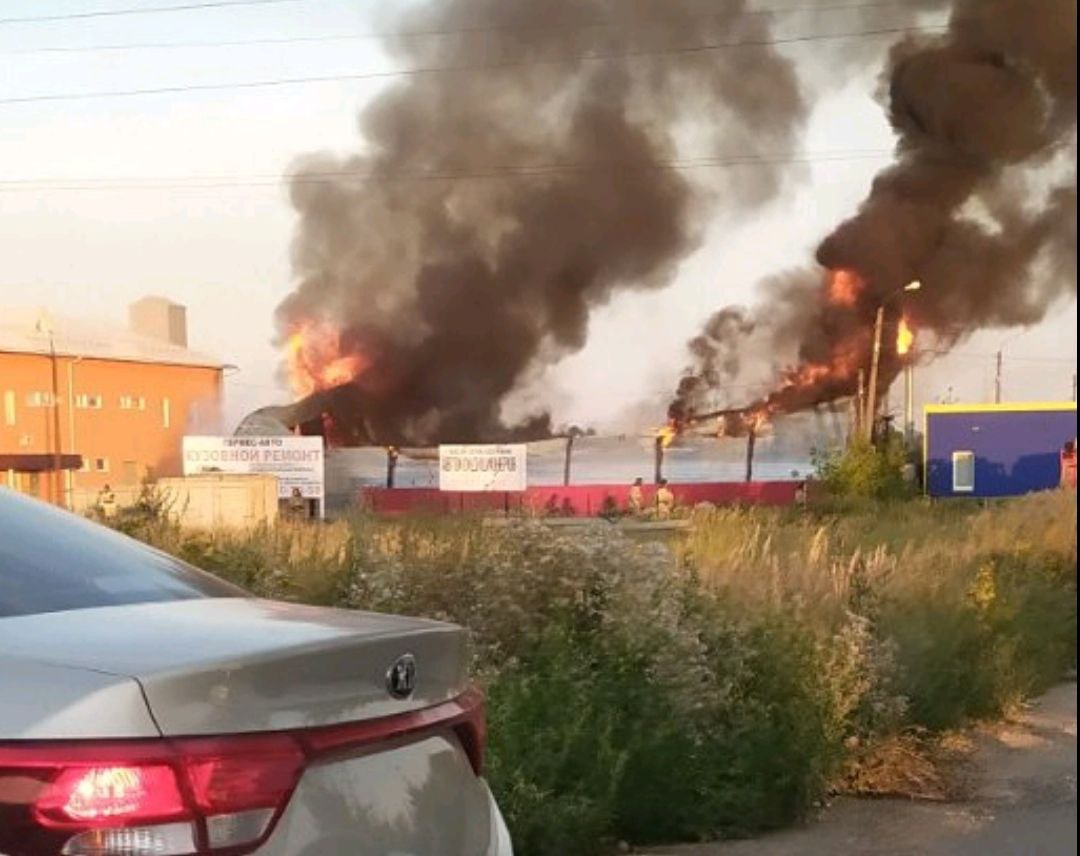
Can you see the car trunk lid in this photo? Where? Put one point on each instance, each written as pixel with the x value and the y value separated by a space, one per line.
pixel 234 665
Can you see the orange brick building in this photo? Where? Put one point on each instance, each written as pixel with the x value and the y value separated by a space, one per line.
pixel 85 404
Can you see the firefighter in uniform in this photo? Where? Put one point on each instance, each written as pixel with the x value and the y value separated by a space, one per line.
pixel 636 500
pixel 665 501
pixel 297 505
pixel 107 502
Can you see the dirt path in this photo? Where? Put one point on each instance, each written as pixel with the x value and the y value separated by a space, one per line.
pixel 1023 803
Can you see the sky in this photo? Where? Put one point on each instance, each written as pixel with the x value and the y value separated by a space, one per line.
pixel 106 199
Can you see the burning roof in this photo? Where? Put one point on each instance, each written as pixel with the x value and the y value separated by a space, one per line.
pixel 980 206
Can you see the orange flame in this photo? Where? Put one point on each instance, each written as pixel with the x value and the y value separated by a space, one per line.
pixel 667 434
pixel 844 287
pixel 758 421
pixel 905 338
pixel 315 360
pixel 841 367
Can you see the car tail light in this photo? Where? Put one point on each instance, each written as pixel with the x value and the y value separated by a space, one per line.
pixel 184 796
pixel 101 794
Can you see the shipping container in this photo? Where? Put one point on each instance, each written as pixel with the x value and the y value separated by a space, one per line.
pixel 991 450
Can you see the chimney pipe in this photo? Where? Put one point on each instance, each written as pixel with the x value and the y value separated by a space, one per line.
pixel 159 318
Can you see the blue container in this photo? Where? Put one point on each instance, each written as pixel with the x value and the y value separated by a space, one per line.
pixel 987 450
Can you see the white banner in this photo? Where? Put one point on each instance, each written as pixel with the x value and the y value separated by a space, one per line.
pixel 483 468
pixel 296 461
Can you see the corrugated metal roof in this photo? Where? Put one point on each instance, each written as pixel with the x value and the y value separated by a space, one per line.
pixel 26 331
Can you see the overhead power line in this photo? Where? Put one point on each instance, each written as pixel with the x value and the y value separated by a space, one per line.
pixel 376 177
pixel 137 10
pixel 457 31
pixel 408 72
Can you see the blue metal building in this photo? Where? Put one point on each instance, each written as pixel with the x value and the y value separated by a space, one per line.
pixel 987 450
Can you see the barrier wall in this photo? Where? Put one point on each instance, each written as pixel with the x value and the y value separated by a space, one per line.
pixel 215 501
pixel 574 501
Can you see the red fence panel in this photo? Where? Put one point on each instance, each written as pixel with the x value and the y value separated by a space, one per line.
pixel 572 501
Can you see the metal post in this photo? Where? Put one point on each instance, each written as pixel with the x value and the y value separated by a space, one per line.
pixel 751 438
pixel 658 469
pixel 997 379
pixel 566 462
pixel 391 465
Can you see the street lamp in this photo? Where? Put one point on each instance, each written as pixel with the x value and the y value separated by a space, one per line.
pixel 875 358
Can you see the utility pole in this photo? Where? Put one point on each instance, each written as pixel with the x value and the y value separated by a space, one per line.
pixel 56 488
pixel 997 378
pixel 871 393
pixel 860 407
pixel 870 414
pixel 568 459
pixel 69 475
pixel 1074 388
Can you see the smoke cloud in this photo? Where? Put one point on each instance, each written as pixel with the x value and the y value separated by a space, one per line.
pixel 493 209
pixel 979 206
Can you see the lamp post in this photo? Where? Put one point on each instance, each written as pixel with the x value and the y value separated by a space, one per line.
pixel 909 403
pixel 44 326
pixel 869 417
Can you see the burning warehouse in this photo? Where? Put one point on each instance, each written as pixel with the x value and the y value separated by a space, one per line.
pixel 979 209
pixel 438 273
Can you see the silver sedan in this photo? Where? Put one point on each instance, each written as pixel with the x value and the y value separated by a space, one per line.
pixel 149 708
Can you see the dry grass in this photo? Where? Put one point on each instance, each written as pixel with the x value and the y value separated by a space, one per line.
pixel 914 764
pixel 827 560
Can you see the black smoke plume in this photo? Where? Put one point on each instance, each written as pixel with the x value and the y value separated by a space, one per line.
pixel 494 208
pixel 979 206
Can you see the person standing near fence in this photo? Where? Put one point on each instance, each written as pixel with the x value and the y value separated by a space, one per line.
pixel 636 501
pixel 107 502
pixel 297 505
pixel 665 501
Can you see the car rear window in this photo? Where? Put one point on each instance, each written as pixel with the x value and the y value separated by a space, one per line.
pixel 52 561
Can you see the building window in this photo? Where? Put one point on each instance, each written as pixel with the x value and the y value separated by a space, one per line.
pixel 101 465
pixel 84 401
pixel 166 413
pixel 130 473
pixel 132 402
pixel 963 472
pixel 40 399
pixel 9 407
